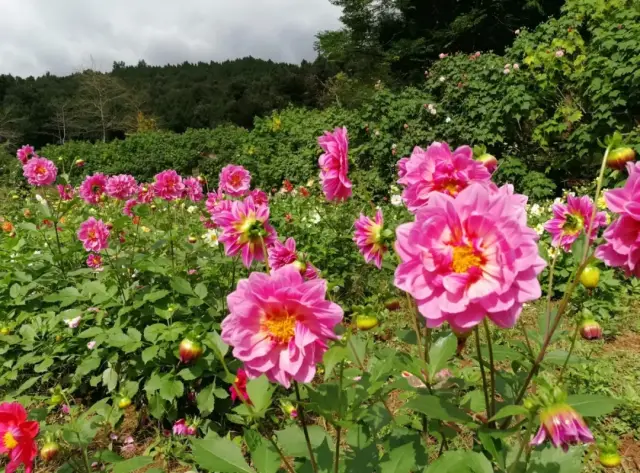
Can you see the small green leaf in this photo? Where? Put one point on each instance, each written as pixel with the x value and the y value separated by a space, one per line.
pixel 181 285
pixel 110 379
pixel 259 391
pixel 171 388
pixel 149 353
pixel 206 400
pixel 509 411
pixel 263 456
pixel 437 408
pixel 332 357
pixel 459 461
pixel 440 353
pixel 132 464
pixel 201 291
pixel 592 405
pixel 219 454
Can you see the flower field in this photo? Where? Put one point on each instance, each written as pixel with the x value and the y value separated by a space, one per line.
pixel 193 324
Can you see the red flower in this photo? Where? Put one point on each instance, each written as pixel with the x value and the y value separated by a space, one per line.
pixel 288 187
pixel 17 436
pixel 304 192
pixel 238 389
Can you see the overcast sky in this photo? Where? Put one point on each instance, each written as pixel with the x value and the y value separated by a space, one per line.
pixel 64 36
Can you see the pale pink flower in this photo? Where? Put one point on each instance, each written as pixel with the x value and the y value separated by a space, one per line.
pixel 66 191
pixel 402 167
pixel 91 345
pixel 74 322
pixel 369 238
pixel 559 53
pixel 442 55
pixel 571 220
pixel 468 257
pixel 516 66
pixel 180 427
pixel 622 247
pixel 334 164
pixel 168 185
pixel 95 261
pixel 128 207
pixel 40 172
pixel 92 188
pixel 122 186
pixel 191 272
pixel 235 180
pixel 279 325
pixel 438 170
pixel 193 189
pixel 259 196
pixel 213 201
pixel 93 234
pixel 65 409
pixel 244 227
pixel 25 153
pixel 283 254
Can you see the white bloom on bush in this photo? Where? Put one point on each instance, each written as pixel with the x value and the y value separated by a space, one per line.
pixel 442 78
pixel 516 66
pixel 517 31
pixel 559 53
pixel 73 323
pixel 552 251
pixel 396 200
pixel 535 210
pixel 539 229
pixel 507 71
pixel 40 199
pixel 91 345
pixel 432 111
pixel 211 238
pixel 448 120
pixel 315 217
pixel 192 209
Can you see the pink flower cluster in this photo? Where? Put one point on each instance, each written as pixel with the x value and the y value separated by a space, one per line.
pixel 570 220
pixel 94 234
pixel 283 254
pixel 40 171
pixel 66 192
pixel 622 247
pixel 168 185
pixel 182 429
pixel 121 187
pixel 92 188
pixel 25 153
pixel 235 180
pixel 193 189
pixel 438 170
pixel 334 164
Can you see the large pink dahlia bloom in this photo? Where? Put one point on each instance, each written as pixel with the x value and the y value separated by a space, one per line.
pixel 439 170
pixel 245 226
pixel 235 180
pixel 622 247
pixel 468 257
pixel 92 188
pixel 94 234
pixel 279 325
pixel 570 220
pixel 368 236
pixel 334 164
pixel 193 189
pixel 168 185
pixel 122 186
pixel 40 172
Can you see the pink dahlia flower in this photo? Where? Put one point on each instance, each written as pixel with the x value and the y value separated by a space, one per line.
pixel 122 187
pixel 180 427
pixel 128 207
pixel 260 197
pixel 213 199
pixel 40 172
pixel 235 180
pixel 369 238
pixel 244 226
pixel 570 220
pixel 334 164
pixel 94 261
pixel 92 188
pixel 439 170
pixel 145 194
pixel 562 425
pixel 66 191
pixel 283 254
pixel 168 185
pixel 279 325
pixel 468 257
pixel 17 437
pixel 25 153
pixel 93 234
pixel 402 167
pixel 193 189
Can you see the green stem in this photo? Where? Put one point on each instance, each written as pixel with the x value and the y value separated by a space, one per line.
pixel 526 338
pixel 573 344
pixel 482 373
pixel 314 466
pixel 338 427
pixel 550 289
pixel 282 457
pixel 414 321
pixel 492 367
pixel 85 457
pixel 523 444
pixel 265 254
pixel 355 355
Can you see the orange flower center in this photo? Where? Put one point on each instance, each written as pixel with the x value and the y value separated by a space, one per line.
pixel 91 234
pixel 9 441
pixel 40 170
pixel 236 180
pixel 280 325
pixel 464 258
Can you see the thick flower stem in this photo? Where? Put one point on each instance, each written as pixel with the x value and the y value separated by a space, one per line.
pixel 492 366
pixel 482 373
pixel 573 344
pixel 414 321
pixel 314 465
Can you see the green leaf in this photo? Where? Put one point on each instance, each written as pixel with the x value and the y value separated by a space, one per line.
pixel 149 353
pixel 181 285
pixel 90 332
pixel 201 291
pixel 437 408
pixel 259 391
pixel 332 357
pixel 264 457
pixel 554 460
pixel 592 405
pixel 399 460
pixel 206 400
pixel 219 454
pixel 459 461
pixel 110 379
pixel 28 332
pixel 440 353
pixel 511 410
pixel 171 388
pixel 293 441
pixel 132 464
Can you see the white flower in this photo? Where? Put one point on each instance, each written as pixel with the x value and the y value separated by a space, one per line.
pixel 211 238
pixel 516 66
pixel 39 198
pixel 432 111
pixel 396 200
pixel 191 209
pixel 517 31
pixel 91 345
pixel 535 210
pixel 442 78
pixel 73 323
pixel 394 146
pixel 507 71
pixel 448 120
pixel 539 229
pixel 315 217
pixel 310 182
pixel 559 53
pixel 552 251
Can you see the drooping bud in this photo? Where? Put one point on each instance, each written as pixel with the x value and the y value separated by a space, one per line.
pixel 190 350
pixel 366 322
pixel 79 163
pixel 590 277
pixel 489 161
pixel 619 157
pixel 563 426
pixel 49 451
pixel 591 330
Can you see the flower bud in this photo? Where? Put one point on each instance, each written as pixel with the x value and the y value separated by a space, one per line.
pixel 619 157
pixel 489 161
pixel 5 331
pixel 56 399
pixel 192 239
pixel 201 180
pixel 591 330
pixel 124 402
pixel 190 350
pixel 590 277
pixel 366 322
pixel 289 409
pixel 392 304
pixel 49 451
pixel 79 163
pixel 300 266
pixel 610 460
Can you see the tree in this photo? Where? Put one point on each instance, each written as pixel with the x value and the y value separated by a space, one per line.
pixel 9 126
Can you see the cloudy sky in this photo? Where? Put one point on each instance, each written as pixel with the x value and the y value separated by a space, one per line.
pixel 64 36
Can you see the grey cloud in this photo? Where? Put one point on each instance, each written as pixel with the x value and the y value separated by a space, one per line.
pixel 64 36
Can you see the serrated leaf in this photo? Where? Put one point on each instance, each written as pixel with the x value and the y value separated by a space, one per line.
pixel 509 411
pixel 399 460
pixel 171 388
pixel 219 454
pixel 264 457
pixel 201 291
pixel 437 408
pixel 459 461
pixel 149 353
pixel 181 285
pixel 206 400
pixel 260 391
pixel 110 379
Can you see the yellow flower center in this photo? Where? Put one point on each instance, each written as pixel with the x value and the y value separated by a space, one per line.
pixel 10 441
pixel 374 234
pixel 574 224
pixel 464 258
pixel 280 325
pixel 40 170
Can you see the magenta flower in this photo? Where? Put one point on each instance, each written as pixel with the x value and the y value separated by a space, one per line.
pixel 283 254
pixel 402 167
pixel 570 220
pixel 66 191
pixel 238 389
pixel 334 164
pixel 213 201
pixel 65 407
pixel 128 207
pixel 561 424
pixel 279 325
pixel 121 187
pixel 93 187
pixel 193 189
pixel 168 185
pixel 95 261
pixel 17 437
pixel 145 194
pixel 244 227
pixel 439 170
pixel 25 153
pixel 180 427
pixel 40 172
pixel 235 180
pixel 369 238
pixel 260 197
pixel 468 257
pixel 93 234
